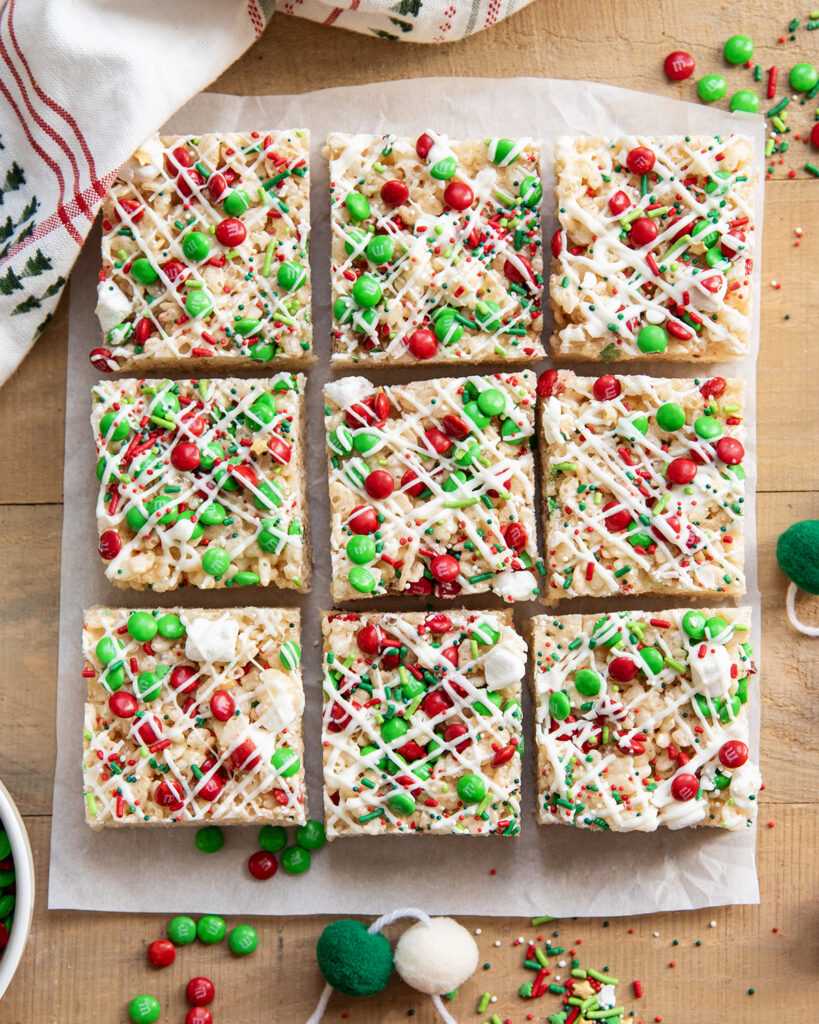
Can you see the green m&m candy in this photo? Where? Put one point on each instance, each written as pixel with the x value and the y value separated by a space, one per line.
pixel 693 623
pixel 500 151
pixel 652 661
pixel 142 626
pixel 401 804
pixel 361 579
pixel 454 481
pixel 495 698
pixel 113 677
pixel 446 327
pixel 511 432
pixel 531 191
pixel 364 319
pixel 295 860
pixel 246 325
pixel 291 275
pixel 492 402
pixel 340 440
pixel 114 426
pixel 652 338
pixel 263 352
pixel 365 442
pixel 711 88
pixel 142 271
pixel 670 416
pixel 270 495
pixel 170 626
pixel 486 633
pixel 198 303
pixel 182 930
pixel 311 836
pixel 487 315
pixel 211 929
pixel 367 291
pixel 144 1009
pixel 269 541
pixel 286 762
pixel 745 100
pixel 355 239
pixel 474 412
pixel 720 182
pixel 716 626
pixel 361 549
pixel 738 49
pixel 358 205
pixel 272 838
pixel 588 682
pixel 148 686
pixel 715 259
pixel 559 705
pixel 215 562
pixel 803 77
pixel 246 579
pixel 107 649
pixel 259 415
pixel 208 454
pixel 211 514
pixel 380 249
pixel 196 245
pixel 394 729
pixel 707 428
pixel 442 170
pixel 210 839
pixel 471 789
pixel 290 655
pixel 466 453
pixel 243 940
pixel 236 202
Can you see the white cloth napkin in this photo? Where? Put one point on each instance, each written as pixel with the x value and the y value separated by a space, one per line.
pixel 83 82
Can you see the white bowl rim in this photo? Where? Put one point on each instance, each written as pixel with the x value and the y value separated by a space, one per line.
pixel 12 822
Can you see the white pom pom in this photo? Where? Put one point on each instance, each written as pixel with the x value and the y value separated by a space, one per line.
pixel 436 958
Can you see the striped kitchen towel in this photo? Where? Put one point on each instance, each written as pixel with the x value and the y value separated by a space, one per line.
pixel 83 82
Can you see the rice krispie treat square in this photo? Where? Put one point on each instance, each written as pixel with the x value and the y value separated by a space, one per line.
pixel 193 715
pixel 202 482
pixel 205 254
pixel 654 250
pixel 643 485
pixel 641 719
pixel 422 723
pixel 436 250
pixel 432 486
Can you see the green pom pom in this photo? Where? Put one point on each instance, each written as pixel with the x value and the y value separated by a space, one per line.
pixel 352 961
pixel 797 552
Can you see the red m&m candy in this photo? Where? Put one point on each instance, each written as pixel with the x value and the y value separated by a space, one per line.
pixel 185 456
pixel 730 450
pixel 678 65
pixel 516 536
pixel 102 360
pixel 458 195
pixel 363 519
pixel 370 638
pixel 422 343
pixel 122 704
pixel 200 991
pixel 438 440
pixel 606 388
pixel 622 669
pixel 444 568
pixel 423 145
pixel 222 705
pixel 438 623
pixel 110 545
pixel 410 484
pixel 379 484
pixel 685 787
pixel 161 953
pixel 231 232
pixel 394 192
pixel 184 678
pixel 546 384
pixel 619 202
pixel 199 1015
pixel 733 754
pixel 640 160
pixel 643 231
pixel 618 520
pixel 169 794
pixel 262 865
pixel 681 471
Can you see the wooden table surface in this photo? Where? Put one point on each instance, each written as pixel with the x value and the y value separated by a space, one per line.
pixel 83 968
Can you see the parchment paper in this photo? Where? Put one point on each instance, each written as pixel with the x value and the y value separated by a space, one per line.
pixel 553 869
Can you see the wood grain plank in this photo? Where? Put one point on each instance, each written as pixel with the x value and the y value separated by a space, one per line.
pixel 99 959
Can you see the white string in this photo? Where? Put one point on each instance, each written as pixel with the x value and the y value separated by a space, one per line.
pixel 790 605
pixel 374 929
